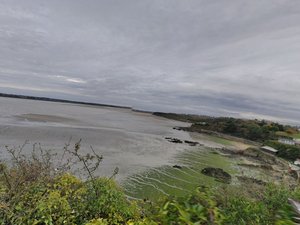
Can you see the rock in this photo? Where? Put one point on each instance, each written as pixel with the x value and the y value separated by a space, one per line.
pixel 174 140
pixel 260 155
pixel 267 167
pixel 217 173
pixel 177 128
pixel 177 167
pixel 191 143
pixel 293 174
pixel 250 180
pixel 262 166
pixel 178 141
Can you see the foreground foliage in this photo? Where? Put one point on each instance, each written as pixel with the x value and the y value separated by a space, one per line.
pixel 33 192
pixel 66 200
pixel 262 206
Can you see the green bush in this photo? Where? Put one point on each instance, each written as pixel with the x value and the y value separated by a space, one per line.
pixel 199 208
pixel 289 152
pixel 268 205
pixel 243 211
pixel 68 201
pixel 33 191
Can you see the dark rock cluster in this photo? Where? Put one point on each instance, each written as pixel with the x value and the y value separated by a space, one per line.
pixel 218 174
pixel 178 141
pixel 174 140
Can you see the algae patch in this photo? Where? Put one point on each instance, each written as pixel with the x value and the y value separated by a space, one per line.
pixel 178 178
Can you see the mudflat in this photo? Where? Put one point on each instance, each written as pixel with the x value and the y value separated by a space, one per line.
pixel 44 118
pixel 132 141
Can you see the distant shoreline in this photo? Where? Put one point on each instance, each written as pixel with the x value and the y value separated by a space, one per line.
pixel 60 100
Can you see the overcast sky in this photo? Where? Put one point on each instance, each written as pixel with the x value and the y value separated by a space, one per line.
pixel 217 57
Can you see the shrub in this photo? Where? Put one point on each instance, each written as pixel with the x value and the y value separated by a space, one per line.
pixel 267 205
pixel 289 152
pixel 68 201
pixel 50 197
pixel 243 211
pixel 199 208
pixel 33 191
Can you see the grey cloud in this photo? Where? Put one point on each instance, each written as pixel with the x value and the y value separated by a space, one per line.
pixel 200 56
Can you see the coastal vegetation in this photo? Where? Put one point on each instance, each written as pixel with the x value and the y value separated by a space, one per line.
pixel 255 130
pixel 37 190
pixel 289 152
pixel 260 131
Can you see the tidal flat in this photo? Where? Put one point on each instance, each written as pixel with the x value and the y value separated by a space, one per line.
pixel 139 144
pixel 132 141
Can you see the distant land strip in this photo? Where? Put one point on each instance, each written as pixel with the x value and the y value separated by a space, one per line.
pixel 60 100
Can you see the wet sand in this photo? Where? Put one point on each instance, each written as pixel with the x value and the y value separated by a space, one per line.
pixel 132 141
pixel 44 118
pixel 218 142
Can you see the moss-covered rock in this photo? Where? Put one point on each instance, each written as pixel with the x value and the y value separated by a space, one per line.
pixel 217 173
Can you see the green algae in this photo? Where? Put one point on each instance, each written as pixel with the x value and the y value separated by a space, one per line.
pixel 181 179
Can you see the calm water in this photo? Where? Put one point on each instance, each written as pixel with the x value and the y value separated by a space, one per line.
pixel 130 140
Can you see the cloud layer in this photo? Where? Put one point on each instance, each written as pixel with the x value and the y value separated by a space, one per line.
pixel 225 57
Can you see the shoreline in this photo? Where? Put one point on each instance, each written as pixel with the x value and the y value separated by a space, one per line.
pixel 46 99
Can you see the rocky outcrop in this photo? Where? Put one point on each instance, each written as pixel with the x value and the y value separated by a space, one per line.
pixel 191 143
pixel 250 180
pixel 177 167
pixel 262 166
pixel 219 174
pixel 174 140
pixel 177 128
pixel 178 141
